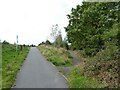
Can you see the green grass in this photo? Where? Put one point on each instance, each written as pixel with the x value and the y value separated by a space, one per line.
pixel 11 63
pixel 61 57
pixel 77 80
pixel 76 77
pixel 58 56
pixel 103 67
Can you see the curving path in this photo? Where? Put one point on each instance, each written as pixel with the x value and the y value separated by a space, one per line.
pixel 75 62
pixel 36 72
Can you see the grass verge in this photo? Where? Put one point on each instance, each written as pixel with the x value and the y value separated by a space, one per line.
pixel 78 80
pixel 11 63
pixel 103 66
pixel 58 56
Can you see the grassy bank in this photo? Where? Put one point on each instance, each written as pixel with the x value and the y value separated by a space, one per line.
pixel 99 71
pixel 62 58
pixel 77 79
pixel 58 56
pixel 11 63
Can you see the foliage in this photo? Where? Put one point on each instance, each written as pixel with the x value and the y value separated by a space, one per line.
pixel 104 65
pixel 45 43
pixel 48 42
pixel 65 44
pixel 94 28
pixel 57 36
pixel 11 63
pixel 58 42
pixel 90 25
pixel 33 45
pixel 5 42
pixel 54 32
pixel 41 43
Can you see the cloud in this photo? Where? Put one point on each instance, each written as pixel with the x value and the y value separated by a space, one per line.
pixel 32 20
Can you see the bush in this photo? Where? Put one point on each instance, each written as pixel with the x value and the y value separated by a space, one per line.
pixel 5 42
pixel 105 65
pixel 48 42
pixel 91 52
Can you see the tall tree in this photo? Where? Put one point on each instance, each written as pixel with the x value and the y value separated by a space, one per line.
pixel 53 34
pixel 58 41
pixel 89 22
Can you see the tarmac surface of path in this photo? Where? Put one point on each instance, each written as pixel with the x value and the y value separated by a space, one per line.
pixel 37 72
pixel 75 62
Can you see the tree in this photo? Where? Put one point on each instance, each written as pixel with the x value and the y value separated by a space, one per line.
pixel 42 43
pixel 54 32
pixel 89 22
pixel 65 44
pixel 48 42
pixel 5 42
pixel 58 42
pixel 56 35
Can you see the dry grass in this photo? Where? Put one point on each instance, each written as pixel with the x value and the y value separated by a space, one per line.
pixel 58 56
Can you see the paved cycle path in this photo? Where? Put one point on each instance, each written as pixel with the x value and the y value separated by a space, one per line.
pixel 37 72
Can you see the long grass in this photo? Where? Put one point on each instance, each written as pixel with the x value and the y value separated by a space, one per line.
pixel 11 63
pixel 103 67
pixel 77 79
pixel 58 56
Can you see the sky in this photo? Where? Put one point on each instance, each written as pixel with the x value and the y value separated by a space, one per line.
pixel 32 20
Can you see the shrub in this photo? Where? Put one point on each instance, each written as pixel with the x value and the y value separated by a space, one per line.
pixel 104 65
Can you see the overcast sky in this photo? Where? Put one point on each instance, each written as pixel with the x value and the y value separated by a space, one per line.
pixel 32 20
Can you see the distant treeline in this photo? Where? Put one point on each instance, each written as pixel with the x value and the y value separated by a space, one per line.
pixel 21 45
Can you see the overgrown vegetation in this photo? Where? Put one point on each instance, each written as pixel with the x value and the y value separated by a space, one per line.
pixel 94 30
pixel 58 56
pixel 103 67
pixel 78 80
pixel 11 62
pixel 90 26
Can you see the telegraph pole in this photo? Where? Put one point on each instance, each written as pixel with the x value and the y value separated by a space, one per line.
pixel 17 43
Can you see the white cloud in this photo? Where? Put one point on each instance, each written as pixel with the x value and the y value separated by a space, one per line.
pixel 32 20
